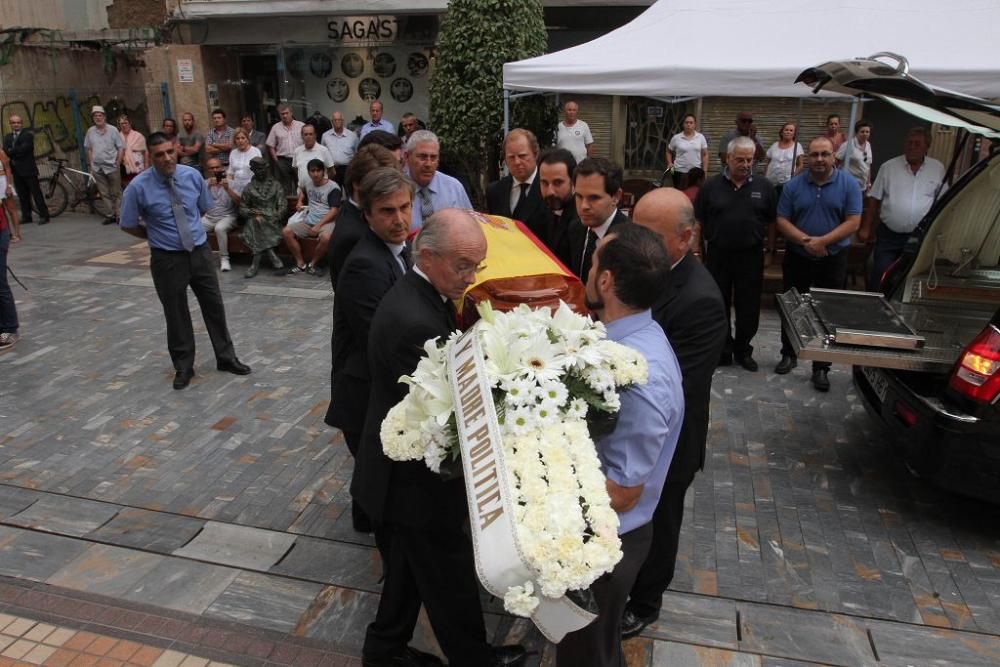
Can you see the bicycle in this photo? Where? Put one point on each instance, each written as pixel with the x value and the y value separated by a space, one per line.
pixel 56 189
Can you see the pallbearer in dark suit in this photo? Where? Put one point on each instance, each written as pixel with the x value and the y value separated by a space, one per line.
pixel 597 185
pixel 19 145
pixel 518 195
pixel 692 314
pixel 377 262
pixel 418 517
pixel 555 178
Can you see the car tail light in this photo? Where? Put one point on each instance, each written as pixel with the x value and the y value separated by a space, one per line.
pixel 977 373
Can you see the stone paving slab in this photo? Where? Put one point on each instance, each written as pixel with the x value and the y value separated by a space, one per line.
pixel 35 556
pixel 64 515
pixel 903 645
pixel 183 585
pixel 346 565
pixel 149 531
pixel 14 499
pixel 237 546
pixel 697 620
pixel 669 654
pixel 106 570
pixel 825 638
pixel 264 602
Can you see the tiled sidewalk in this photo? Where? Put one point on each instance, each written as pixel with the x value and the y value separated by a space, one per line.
pixel 25 642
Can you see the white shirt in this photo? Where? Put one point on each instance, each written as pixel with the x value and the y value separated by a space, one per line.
pixel 302 157
pixel 515 189
pixel 285 139
pixel 341 146
pixel 239 167
pixel 860 164
pixel 906 197
pixel 687 152
pixel 599 232
pixel 575 138
pixel 779 169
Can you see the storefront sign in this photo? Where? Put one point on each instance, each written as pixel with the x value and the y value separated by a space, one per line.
pixel 362 29
pixel 654 112
pixel 185 70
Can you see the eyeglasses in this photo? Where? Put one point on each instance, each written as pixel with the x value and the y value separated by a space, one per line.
pixel 426 157
pixel 463 269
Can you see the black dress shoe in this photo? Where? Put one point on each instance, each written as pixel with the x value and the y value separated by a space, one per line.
pixel 108 220
pixel 182 379
pixel 507 656
pixel 43 221
pixel 418 657
pixel 633 624
pixel 236 367
pixel 785 366
pixel 820 380
pixel 725 359
pixel 747 362
pixel 410 657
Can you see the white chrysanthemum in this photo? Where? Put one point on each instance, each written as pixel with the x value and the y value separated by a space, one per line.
pixel 400 440
pixel 521 600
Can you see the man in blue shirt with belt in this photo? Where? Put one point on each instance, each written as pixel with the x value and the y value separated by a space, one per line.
pixel 170 199
pixel 627 273
pixel 817 213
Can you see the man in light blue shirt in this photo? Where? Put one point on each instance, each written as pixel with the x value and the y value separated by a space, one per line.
pixel 170 200
pixel 435 191
pixel 377 122
pixel 627 273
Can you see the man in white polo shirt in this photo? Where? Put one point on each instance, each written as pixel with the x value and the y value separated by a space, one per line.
pixel 342 144
pixel 904 190
pixel 310 150
pixel 574 134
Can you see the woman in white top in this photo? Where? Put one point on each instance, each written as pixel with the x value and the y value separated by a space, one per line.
pixel 784 157
pixel 860 163
pixel 687 149
pixel 7 197
pixel 239 160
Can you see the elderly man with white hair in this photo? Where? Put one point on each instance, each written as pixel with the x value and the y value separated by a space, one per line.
pixel 435 191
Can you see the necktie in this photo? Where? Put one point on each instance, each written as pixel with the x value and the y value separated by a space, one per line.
pixel 588 252
pixel 404 256
pixel 426 205
pixel 520 197
pixel 180 218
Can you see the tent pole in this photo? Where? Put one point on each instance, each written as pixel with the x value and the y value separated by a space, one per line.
pixel 506 111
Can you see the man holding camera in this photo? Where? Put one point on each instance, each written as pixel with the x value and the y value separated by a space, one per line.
pixel 221 215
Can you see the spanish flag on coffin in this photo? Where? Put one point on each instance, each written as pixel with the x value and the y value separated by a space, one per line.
pixel 519 269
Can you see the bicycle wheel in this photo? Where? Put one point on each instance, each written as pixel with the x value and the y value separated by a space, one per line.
pixel 55 195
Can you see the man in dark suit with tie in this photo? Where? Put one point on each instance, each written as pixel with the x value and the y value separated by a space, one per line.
pixel 418 516
pixel 378 260
pixel 518 194
pixel 19 145
pixel 597 185
pixel 555 177
pixel 692 314
pixel 350 224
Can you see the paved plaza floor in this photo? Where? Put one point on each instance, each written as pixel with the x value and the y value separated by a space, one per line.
pixel 210 523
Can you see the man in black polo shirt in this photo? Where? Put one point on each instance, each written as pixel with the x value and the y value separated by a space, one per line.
pixel 734 210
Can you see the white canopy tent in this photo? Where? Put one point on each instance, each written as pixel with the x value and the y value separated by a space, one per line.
pixel 680 48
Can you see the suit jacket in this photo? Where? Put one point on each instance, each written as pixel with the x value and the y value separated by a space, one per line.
pixel 408 492
pixel 531 210
pixel 368 273
pixel 21 153
pixel 557 233
pixel 577 234
pixel 692 314
pixel 349 227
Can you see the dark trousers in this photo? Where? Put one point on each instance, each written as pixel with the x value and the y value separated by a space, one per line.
pixel 339 172
pixel 888 248
pixel 8 312
pixel 173 273
pixel 657 571
pixel 804 272
pixel 432 566
pixel 739 273
pixel 600 643
pixel 28 189
pixel 287 175
pixel 359 519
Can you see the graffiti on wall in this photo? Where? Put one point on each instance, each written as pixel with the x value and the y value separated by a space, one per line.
pixel 54 122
